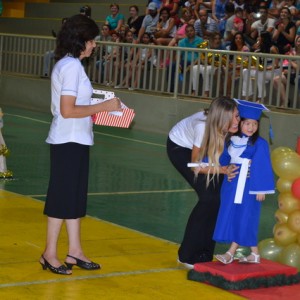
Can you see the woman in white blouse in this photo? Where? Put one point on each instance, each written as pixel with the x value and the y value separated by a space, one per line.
pixel 70 137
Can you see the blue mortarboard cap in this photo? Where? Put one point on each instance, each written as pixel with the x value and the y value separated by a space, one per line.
pixel 250 110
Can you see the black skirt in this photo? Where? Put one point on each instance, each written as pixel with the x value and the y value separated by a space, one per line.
pixel 68 184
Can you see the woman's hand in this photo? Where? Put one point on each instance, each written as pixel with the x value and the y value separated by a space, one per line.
pixel 232 171
pixel 281 27
pixel 113 104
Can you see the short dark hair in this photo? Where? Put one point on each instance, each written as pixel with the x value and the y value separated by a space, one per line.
pixel 189 26
pixel 86 10
pixel 214 35
pixel 229 7
pixel 135 7
pixel 286 8
pixel 73 35
pixel 165 9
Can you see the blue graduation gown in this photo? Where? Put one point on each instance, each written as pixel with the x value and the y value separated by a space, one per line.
pixel 239 222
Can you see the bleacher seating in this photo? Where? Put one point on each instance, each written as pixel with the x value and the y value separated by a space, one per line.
pixel 39 17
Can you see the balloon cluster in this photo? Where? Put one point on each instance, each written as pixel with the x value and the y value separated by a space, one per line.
pixel 4 150
pixel 210 58
pixel 285 246
pixel 253 62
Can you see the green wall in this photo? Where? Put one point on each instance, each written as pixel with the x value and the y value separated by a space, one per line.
pixel 155 113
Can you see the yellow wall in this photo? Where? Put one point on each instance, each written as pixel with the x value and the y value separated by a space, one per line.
pixel 16 8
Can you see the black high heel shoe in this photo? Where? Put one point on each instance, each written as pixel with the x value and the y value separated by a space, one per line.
pixel 82 264
pixel 62 270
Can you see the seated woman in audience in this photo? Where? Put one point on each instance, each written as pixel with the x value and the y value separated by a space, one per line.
pixel 115 20
pixel 173 6
pixel 129 51
pixel 105 33
pixel 135 21
pixel 264 44
pixel 237 44
pixel 186 18
pixel 165 32
pixel 285 31
pixel 165 29
pixel 281 81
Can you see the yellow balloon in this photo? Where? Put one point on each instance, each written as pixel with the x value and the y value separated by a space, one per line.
pixel 275 227
pixel 290 255
pixel 283 185
pixel 288 203
pixel 279 151
pixel 268 249
pixel 280 216
pixel 203 45
pixel 294 221
pixel 284 236
pixel 287 166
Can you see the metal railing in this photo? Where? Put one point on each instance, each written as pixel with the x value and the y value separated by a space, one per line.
pixel 170 70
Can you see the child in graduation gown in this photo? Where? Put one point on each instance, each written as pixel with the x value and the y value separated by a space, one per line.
pixel 238 217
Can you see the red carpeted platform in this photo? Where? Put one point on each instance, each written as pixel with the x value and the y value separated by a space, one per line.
pixel 290 292
pixel 237 276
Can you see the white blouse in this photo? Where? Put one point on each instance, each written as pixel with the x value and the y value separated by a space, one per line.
pixel 189 132
pixel 69 78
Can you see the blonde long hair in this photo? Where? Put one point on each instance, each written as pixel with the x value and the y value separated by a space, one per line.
pixel 218 122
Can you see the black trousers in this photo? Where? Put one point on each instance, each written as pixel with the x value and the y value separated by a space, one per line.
pixel 197 244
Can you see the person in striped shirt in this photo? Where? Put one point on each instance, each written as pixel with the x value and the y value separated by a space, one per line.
pixel 205 25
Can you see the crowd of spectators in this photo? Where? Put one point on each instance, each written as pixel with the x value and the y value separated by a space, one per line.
pixel 258 26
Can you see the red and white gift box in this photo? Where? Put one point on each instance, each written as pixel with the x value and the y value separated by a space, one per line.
pixel 115 118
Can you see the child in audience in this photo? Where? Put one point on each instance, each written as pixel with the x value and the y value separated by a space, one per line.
pixel 142 61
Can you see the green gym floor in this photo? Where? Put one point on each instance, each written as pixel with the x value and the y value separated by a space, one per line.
pixel 138 206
